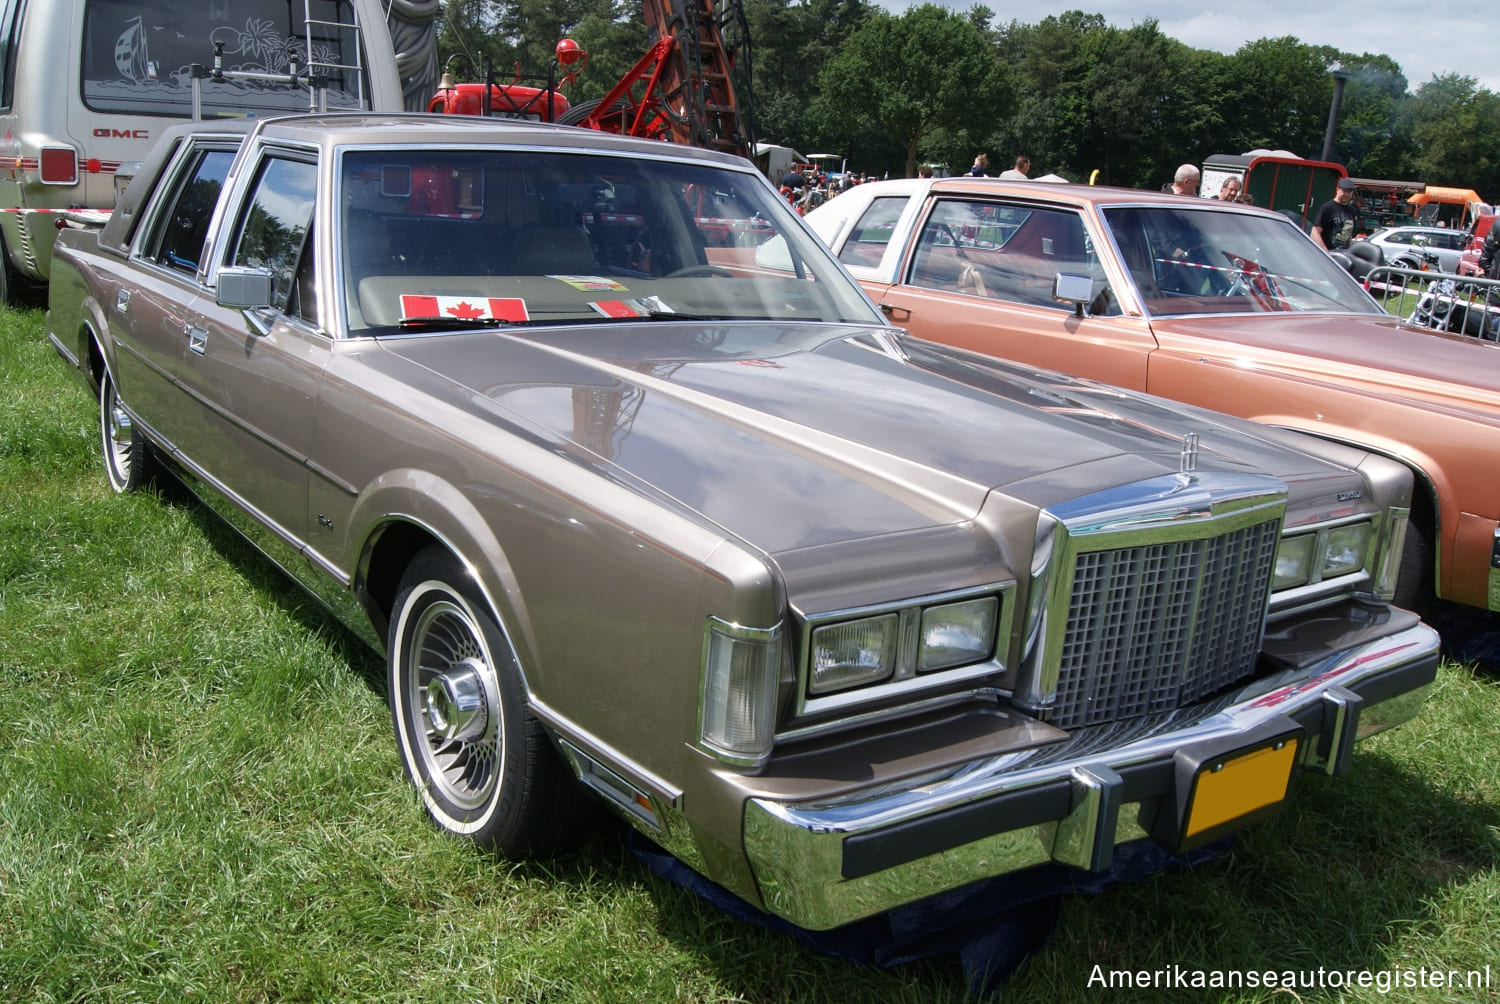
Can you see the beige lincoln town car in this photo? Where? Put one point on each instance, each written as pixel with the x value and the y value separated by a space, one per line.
pixel 644 502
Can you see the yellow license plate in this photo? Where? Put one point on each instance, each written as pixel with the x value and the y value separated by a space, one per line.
pixel 1226 789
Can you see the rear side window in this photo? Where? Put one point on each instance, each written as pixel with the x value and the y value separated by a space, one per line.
pixel 868 240
pixel 182 228
pixel 138 54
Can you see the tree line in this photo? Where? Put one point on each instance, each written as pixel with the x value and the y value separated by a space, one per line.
pixel 1077 95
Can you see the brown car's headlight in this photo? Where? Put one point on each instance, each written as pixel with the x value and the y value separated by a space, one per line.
pixel 1345 548
pixel 1294 561
pixel 737 699
pixel 854 653
pixel 956 634
pixel 902 644
pixel 1326 553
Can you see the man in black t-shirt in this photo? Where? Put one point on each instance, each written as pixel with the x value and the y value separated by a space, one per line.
pixel 1333 227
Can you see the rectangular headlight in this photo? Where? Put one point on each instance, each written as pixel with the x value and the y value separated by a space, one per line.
pixel 1293 561
pixel 740 671
pixel 1345 549
pixel 956 634
pixel 853 653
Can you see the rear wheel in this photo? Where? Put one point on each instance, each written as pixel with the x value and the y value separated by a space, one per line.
pixel 14 289
pixel 483 765
pixel 127 456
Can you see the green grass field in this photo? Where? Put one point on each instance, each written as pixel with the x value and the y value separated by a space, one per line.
pixel 200 800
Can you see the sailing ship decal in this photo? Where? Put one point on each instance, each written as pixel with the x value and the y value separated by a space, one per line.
pixel 132 56
pixel 143 62
pixel 263 47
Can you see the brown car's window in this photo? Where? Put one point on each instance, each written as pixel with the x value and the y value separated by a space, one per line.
pixel 429 239
pixel 1197 257
pixel 1007 252
pixel 274 230
pixel 872 233
pixel 177 241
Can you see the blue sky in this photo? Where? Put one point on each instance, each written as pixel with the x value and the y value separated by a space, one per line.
pixel 1427 39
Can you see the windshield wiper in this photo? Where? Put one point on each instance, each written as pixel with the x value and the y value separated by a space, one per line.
pixel 447 322
pixel 671 315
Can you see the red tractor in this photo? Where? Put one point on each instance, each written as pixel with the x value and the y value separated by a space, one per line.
pixel 682 90
pixel 516 99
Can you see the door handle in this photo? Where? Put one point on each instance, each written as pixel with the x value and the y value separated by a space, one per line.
pixel 895 313
pixel 197 338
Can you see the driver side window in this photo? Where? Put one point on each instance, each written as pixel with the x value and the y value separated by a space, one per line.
pixel 1008 252
pixel 273 232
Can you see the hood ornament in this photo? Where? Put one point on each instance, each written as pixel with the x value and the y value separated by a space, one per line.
pixel 1188 460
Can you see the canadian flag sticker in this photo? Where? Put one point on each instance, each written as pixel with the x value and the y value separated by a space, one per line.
pixel 470 308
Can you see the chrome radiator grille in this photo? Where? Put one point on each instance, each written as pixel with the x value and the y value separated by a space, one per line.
pixel 1157 626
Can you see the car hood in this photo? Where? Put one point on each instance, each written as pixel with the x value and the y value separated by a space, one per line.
pixel 1375 352
pixel 793 437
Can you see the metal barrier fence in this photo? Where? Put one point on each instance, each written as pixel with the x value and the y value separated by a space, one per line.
pixel 1439 300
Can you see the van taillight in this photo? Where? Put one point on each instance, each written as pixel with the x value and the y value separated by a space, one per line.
pixel 59 165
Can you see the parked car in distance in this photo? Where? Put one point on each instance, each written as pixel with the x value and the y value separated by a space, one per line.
pixel 641 503
pixel 1211 303
pixel 1403 247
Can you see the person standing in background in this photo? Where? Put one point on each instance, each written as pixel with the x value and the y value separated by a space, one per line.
pixel 1018 173
pixel 1333 227
pixel 1185 181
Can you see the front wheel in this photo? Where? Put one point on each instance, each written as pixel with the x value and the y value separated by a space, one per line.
pixel 127 455
pixel 483 765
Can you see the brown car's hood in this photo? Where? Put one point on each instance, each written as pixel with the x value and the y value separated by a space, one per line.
pixel 1370 351
pixel 810 435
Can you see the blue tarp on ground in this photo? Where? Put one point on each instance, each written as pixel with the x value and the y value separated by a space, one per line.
pixel 1469 634
pixel 992 925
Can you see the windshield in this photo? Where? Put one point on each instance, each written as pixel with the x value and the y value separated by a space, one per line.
pixel 443 238
pixel 138 55
pixel 1191 260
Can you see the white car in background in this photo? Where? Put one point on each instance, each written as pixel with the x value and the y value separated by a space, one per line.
pixel 1403 246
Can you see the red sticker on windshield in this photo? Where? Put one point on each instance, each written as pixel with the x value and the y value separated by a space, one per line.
pixel 471 308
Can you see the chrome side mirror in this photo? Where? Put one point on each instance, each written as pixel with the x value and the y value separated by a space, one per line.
pixel 1075 289
pixel 244 288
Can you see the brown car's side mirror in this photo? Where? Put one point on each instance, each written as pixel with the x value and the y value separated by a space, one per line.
pixel 1075 289
pixel 245 288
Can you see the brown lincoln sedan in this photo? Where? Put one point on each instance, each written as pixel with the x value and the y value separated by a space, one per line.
pixel 641 499
pixel 1216 304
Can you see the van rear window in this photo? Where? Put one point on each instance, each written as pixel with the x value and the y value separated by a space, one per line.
pixel 138 55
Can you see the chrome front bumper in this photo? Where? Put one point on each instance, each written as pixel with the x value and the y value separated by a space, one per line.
pixel 823 864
